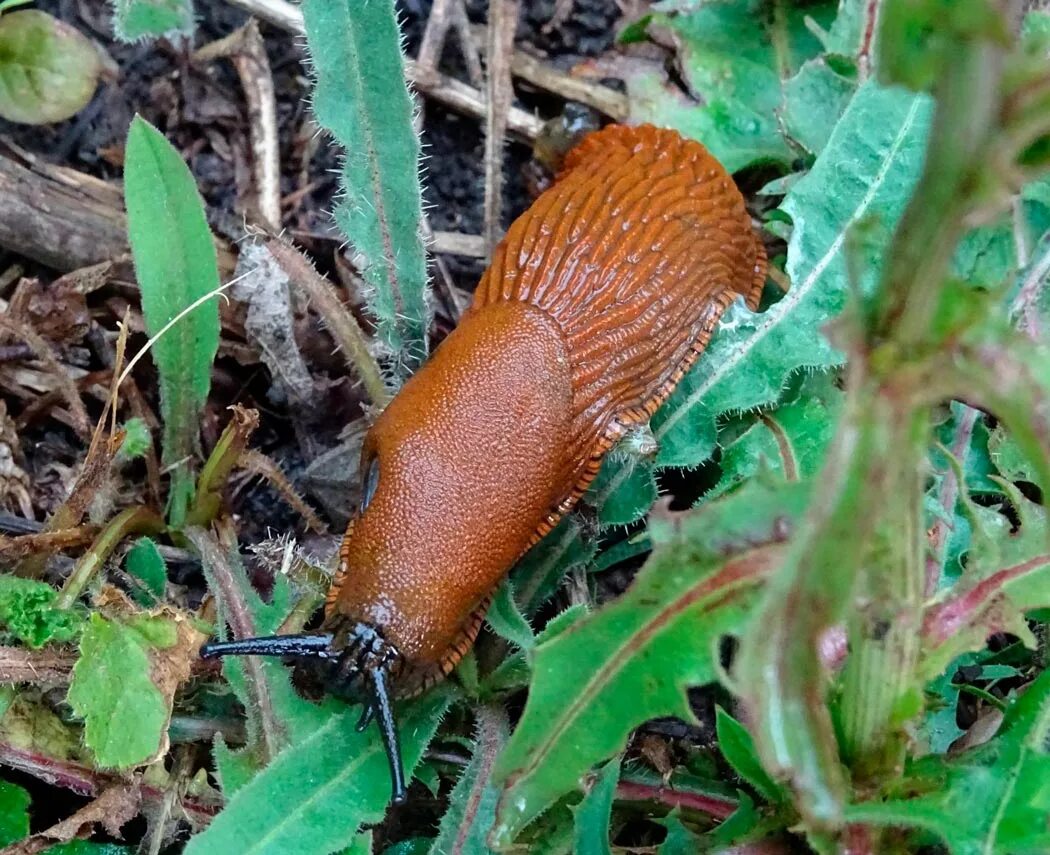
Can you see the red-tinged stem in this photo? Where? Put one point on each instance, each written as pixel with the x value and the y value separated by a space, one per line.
pixel 943 621
pixel 713 806
pixel 87 782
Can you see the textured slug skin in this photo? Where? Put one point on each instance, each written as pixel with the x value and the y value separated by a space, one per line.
pixel 596 302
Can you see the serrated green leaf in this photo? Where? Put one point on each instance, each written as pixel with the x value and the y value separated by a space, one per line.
pixel 14 813
pixel 152 19
pixel 732 63
pixel 176 266
pixel 48 69
pixel 124 713
pixel 738 747
pixel 472 803
pixel 847 32
pixel 865 173
pixel 790 441
pixel 992 800
pixel 642 651
pixel 591 828
pixel 679 840
pixel 814 101
pixel 146 565
pixel 317 793
pixel 1007 573
pixel 361 98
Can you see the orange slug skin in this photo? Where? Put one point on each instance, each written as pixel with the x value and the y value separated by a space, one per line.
pixel 596 302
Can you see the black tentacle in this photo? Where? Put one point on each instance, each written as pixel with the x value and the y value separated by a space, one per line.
pixel 275 645
pixel 384 713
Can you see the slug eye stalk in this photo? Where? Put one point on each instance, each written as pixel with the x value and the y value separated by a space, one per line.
pixel 358 674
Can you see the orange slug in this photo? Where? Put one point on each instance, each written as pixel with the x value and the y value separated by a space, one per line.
pixel 597 301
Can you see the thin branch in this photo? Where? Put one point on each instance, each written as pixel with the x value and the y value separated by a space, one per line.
pixel 503 20
pixel 259 464
pixel 246 50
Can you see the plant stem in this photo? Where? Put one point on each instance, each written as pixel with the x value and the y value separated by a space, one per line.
pixel 134 520
pixel 220 464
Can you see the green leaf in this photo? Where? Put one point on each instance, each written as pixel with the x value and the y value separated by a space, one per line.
pixel 28 613
pixel 679 840
pixel 507 621
pixel 316 794
pixel 1007 573
pixel 1008 457
pixel 14 813
pixel 472 803
pixel 992 800
pixel 137 440
pixel 48 69
pixel 738 748
pixel 152 19
pixel 865 173
pixel 814 101
pixel 146 565
pixel 732 63
pixel 592 814
pixel 176 266
pixel 624 489
pixel 360 97
pixel 125 714
pixel 790 441
pixel 641 651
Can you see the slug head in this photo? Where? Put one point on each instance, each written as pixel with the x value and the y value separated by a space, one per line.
pixel 353 662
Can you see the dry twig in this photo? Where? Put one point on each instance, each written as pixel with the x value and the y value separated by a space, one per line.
pixel 245 49
pixel 503 20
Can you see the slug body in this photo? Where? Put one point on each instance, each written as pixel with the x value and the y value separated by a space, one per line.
pixel 595 304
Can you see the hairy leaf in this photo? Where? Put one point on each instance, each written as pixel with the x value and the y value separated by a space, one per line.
pixel 865 173
pixel 125 714
pixel 472 804
pixel 317 793
pixel 642 650
pixel 361 99
pixel 176 266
